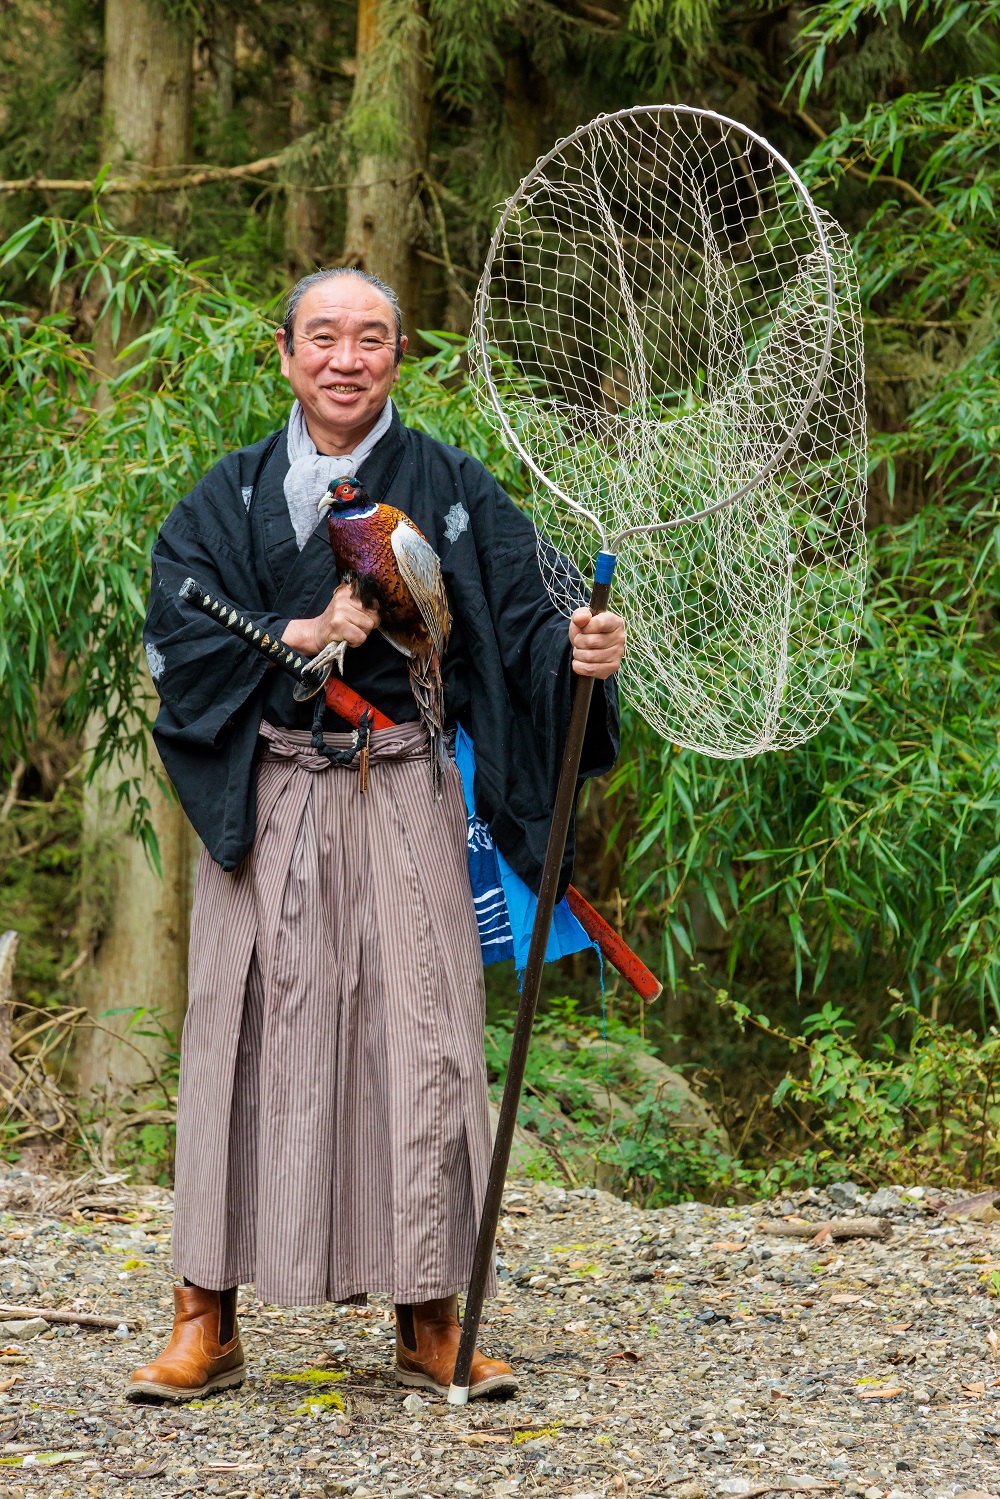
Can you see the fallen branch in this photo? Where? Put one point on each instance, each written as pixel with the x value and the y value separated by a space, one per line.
pixel 789 1487
pixel 837 1228
pixel 117 1127
pixel 82 1319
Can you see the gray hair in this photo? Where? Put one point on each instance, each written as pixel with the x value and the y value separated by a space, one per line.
pixel 300 288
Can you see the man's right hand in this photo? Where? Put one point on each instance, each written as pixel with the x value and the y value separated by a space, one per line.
pixel 344 618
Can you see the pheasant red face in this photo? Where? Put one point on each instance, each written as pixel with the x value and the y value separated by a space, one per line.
pixel 346 497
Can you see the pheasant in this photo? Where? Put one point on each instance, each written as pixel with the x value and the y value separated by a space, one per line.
pixel 392 567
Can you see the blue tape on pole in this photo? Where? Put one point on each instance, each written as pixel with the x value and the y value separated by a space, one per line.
pixel 605 568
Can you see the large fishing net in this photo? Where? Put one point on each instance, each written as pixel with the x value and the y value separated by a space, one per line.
pixel 668 334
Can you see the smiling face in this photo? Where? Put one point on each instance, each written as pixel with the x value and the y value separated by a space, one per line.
pixel 343 362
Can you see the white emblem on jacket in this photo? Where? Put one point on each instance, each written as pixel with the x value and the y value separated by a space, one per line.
pixel 455 522
pixel 155 660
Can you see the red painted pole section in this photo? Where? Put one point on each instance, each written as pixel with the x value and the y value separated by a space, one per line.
pixel 617 951
pixel 350 705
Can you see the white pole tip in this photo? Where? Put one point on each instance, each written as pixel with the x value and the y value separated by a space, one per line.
pixel 458 1395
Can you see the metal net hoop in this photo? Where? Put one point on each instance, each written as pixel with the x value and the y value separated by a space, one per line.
pixel 667 333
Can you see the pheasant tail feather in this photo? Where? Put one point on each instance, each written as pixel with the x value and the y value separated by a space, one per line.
pixel 428 692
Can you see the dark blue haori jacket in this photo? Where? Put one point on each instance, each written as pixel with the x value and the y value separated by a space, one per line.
pixel 507 669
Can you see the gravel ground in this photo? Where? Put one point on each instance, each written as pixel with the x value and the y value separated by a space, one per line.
pixel 675 1352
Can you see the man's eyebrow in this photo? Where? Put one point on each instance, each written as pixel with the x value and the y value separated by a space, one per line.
pixel 325 321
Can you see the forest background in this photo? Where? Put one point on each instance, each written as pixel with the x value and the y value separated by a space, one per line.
pixel 826 921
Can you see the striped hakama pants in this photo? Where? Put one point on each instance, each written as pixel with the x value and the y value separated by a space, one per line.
pixel 332 1127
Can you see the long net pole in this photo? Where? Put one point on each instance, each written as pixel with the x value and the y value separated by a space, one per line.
pixel 565 799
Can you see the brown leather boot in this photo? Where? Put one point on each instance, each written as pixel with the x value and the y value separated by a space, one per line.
pixel 195 1362
pixel 427 1345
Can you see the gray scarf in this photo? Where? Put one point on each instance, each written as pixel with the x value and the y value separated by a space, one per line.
pixel 310 471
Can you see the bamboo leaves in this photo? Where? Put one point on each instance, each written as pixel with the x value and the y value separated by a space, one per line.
pixel 92 464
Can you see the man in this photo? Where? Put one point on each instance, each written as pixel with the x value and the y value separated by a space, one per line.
pixel 332 1130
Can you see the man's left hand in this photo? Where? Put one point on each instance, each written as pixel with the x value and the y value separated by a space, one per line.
pixel 598 642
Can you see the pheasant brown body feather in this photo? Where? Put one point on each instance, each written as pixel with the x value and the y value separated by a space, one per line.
pixel 393 567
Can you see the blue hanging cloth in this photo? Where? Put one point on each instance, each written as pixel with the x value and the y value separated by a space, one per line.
pixel 505 907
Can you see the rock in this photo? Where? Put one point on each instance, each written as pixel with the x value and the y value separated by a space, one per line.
pixel 17 1283
pixel 691 1113
pixel 29 1327
pixel 733 1486
pixel 884 1202
pixel 526 1150
pixel 413 1405
pixel 979 1209
pixel 844 1194
pixel 121 1332
pixel 692 1490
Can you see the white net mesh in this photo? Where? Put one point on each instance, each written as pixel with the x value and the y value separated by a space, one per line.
pixel 663 316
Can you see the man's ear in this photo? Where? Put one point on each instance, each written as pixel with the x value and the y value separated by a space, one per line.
pixel 279 338
pixel 403 341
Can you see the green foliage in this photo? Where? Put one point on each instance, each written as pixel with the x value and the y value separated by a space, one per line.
pixel 922 1106
pixel 40 846
pixel 882 833
pixel 691 24
pixel 50 113
pixel 599 1116
pixel 467 58
pixel 147 1154
pixel 93 466
pixel 927 1112
pixel 876 847
pixel 377 119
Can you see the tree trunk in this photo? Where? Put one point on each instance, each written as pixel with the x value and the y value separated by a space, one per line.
pixel 393 78
pixel 222 49
pixel 140 960
pixel 140 922
pixel 148 86
pixel 8 958
pixel 303 245
pixel 148 90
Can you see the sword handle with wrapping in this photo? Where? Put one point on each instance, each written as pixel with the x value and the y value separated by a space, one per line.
pixel 340 698
pixel 236 623
pixel 275 651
